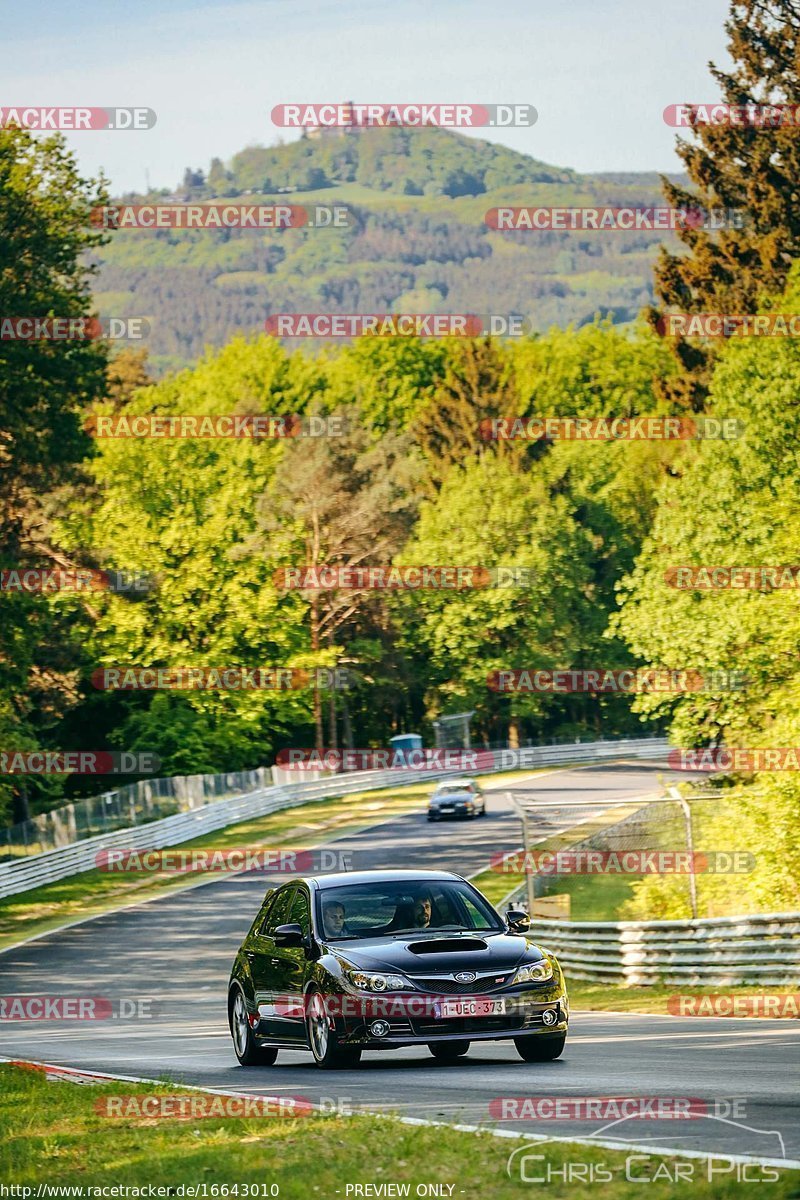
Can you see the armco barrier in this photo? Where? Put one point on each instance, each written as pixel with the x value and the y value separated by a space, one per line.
pixel 35 870
pixel 762 949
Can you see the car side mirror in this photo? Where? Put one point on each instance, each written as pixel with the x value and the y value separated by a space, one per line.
pixel 288 935
pixel 518 920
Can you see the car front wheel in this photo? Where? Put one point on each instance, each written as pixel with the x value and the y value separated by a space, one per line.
pixel 325 1047
pixel 248 1051
pixel 540 1049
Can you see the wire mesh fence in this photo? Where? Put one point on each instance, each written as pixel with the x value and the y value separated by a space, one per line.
pixel 707 844
pixel 127 806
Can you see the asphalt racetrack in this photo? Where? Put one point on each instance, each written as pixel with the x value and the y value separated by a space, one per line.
pixel 176 953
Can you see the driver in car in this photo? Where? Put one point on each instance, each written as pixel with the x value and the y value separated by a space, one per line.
pixel 423 910
pixel 334 919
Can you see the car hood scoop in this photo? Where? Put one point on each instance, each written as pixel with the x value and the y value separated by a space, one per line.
pixel 445 945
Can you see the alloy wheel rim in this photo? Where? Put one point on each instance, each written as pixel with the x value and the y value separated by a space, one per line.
pixel 318 1027
pixel 240 1023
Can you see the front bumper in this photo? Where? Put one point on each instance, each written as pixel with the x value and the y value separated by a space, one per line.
pixel 410 1029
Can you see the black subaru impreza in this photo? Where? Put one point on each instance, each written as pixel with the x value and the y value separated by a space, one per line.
pixel 375 960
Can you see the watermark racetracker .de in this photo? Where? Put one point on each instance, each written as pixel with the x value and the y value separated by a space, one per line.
pixel 386 324
pixel 49 118
pixel 407 115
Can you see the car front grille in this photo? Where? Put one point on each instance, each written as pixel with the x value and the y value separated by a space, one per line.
pixel 465 1025
pixel 452 987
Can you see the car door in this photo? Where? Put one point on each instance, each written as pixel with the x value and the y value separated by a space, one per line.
pixel 263 961
pixel 290 964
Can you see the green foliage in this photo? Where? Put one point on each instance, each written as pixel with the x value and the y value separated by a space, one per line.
pixel 734 503
pixel 183 510
pixel 738 167
pixel 393 160
pixel 416 241
pixel 44 236
pixel 487 515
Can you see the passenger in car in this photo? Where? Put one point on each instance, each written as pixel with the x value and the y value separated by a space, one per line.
pixel 334 920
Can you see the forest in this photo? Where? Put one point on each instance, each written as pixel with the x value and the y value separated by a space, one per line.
pixel 388 465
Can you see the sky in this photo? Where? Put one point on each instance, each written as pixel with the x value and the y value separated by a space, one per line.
pixel 599 73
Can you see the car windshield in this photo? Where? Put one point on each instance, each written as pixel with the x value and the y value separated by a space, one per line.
pixel 364 910
pixel 452 789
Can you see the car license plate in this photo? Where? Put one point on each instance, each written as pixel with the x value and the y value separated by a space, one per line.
pixel 448 809
pixel 480 1007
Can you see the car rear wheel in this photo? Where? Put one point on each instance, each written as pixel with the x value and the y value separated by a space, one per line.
pixel 448 1051
pixel 248 1051
pixel 325 1047
pixel 539 1048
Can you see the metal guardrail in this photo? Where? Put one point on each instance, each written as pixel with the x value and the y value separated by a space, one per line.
pixel 125 806
pixel 35 870
pixel 762 949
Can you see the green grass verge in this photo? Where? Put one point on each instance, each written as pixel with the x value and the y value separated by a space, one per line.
pixel 594 897
pixel 53 1134
pixel 93 892
pixel 605 998
pixel 587 904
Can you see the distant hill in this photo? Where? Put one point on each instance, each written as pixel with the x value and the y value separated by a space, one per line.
pixel 417 241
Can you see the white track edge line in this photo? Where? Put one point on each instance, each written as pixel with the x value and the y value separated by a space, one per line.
pixel 664 1151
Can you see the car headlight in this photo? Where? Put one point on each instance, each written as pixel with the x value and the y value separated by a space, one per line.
pixel 378 982
pixel 538 972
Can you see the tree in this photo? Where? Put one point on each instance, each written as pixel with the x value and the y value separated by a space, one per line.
pixel 183 510
pixel 127 372
pixel 45 234
pixel 749 169
pixel 218 178
pixel 479 384
pixel 734 502
pixel 345 502
pixel 488 514
pixel 193 181
pixel 389 378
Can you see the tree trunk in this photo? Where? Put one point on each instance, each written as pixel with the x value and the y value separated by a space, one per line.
pixel 318 736
pixel 347 729
pixel 332 742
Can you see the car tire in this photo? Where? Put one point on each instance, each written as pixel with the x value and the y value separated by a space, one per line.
pixel 431 817
pixel 249 1052
pixel 448 1051
pixel 323 1042
pixel 540 1049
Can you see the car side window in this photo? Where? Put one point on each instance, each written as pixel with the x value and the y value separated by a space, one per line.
pixel 263 912
pixel 277 912
pixel 476 917
pixel 299 912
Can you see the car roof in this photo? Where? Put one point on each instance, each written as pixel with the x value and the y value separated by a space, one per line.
pixel 455 782
pixel 340 878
